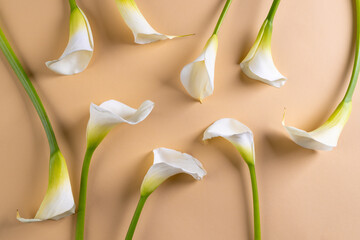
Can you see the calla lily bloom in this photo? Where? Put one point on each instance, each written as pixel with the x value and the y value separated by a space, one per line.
pixel 143 32
pixel 198 77
pixel 242 138
pixel 167 162
pixel 258 63
pixel 59 200
pixel 236 133
pixel 326 136
pixel 102 119
pixel 79 50
pixel 110 113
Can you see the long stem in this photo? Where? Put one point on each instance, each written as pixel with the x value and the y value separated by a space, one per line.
pixel 221 18
pixel 72 4
pixel 30 90
pixel 257 228
pixel 135 218
pixel 82 196
pixel 272 10
pixel 355 72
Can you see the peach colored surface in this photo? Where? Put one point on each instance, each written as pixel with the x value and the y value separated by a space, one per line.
pixel 304 195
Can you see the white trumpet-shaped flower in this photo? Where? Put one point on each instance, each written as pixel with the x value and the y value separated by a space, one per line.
pixel 79 50
pixel 102 119
pixel 236 133
pixel 110 113
pixel 59 200
pixel 168 162
pixel 258 63
pixel 242 138
pixel 143 32
pixel 198 76
pixel 326 136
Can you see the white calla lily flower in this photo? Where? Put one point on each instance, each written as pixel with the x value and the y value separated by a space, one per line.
pixel 259 64
pixel 102 119
pixel 110 113
pixel 236 133
pixel 168 162
pixel 79 50
pixel 59 200
pixel 326 136
pixel 242 138
pixel 143 32
pixel 198 77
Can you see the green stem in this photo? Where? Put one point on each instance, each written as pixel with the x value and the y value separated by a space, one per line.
pixel 82 195
pixel 30 90
pixel 72 4
pixel 272 10
pixel 355 72
pixel 221 18
pixel 135 218
pixel 257 228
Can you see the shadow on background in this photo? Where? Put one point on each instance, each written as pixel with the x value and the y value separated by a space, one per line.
pixel 236 160
pixel 127 196
pixel 282 145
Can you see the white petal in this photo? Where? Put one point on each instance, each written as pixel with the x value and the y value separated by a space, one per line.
pixel 143 32
pixel 198 77
pixel 259 64
pixel 110 113
pixel 306 140
pixel 79 50
pixel 236 133
pixel 325 137
pixel 168 162
pixel 59 200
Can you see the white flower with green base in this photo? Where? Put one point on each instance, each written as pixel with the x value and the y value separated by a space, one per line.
pixel 197 77
pixel 242 138
pixel 109 114
pixel 258 63
pixel 167 162
pixel 103 118
pixel 58 201
pixel 327 135
pixel 80 47
pixel 141 29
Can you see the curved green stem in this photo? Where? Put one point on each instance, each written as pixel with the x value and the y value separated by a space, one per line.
pixel 30 90
pixel 355 72
pixel 72 4
pixel 221 18
pixel 135 218
pixel 272 10
pixel 257 228
pixel 80 223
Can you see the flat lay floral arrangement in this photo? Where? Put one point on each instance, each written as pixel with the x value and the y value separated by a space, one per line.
pixel 172 118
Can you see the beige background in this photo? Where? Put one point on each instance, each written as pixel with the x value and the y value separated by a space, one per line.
pixel 304 195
